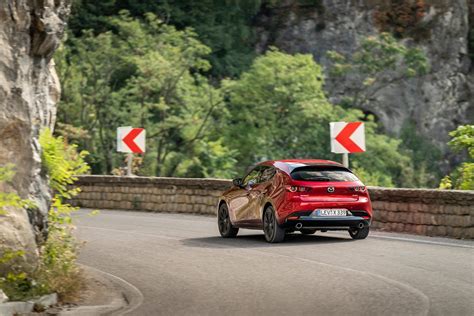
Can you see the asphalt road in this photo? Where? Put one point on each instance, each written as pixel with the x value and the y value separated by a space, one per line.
pixel 183 267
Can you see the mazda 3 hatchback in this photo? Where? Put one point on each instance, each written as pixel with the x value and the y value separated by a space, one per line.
pixel 284 196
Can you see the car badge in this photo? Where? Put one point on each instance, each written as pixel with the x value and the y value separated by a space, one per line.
pixel 330 189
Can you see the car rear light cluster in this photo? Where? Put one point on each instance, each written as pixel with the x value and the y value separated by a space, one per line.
pixel 359 189
pixel 295 188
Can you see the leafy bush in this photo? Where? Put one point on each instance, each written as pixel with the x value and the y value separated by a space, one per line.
pixel 463 177
pixel 10 199
pixel 15 282
pixel 58 269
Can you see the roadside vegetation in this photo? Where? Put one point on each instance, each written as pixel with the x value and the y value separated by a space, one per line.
pixel 56 271
pixel 188 73
pixel 462 178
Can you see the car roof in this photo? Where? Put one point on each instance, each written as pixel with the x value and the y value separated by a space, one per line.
pixel 288 165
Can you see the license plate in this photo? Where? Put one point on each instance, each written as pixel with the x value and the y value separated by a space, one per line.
pixel 331 212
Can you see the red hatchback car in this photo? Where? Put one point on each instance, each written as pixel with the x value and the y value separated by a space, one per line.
pixel 284 196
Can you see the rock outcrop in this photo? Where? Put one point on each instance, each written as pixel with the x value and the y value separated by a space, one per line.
pixel 30 31
pixel 437 102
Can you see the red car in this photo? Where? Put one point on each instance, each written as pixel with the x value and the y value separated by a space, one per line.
pixel 283 196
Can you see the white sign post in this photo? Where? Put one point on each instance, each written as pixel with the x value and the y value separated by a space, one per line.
pixel 347 138
pixel 130 140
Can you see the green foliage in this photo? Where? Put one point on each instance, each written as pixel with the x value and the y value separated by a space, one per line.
pixel 278 109
pixel 135 69
pixel 281 112
pixel 377 62
pixel 10 199
pixel 58 271
pixel 62 163
pixel 16 283
pixel 376 178
pixel 419 148
pixel 145 74
pixel 463 177
pixel 225 26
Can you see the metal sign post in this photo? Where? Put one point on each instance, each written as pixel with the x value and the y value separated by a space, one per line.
pixel 345 160
pixel 129 164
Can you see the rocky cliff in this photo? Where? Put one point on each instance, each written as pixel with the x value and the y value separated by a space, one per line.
pixel 30 31
pixel 436 102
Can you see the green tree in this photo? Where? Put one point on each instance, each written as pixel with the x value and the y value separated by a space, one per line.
pixel 463 177
pixel 225 26
pixel 279 110
pixel 146 74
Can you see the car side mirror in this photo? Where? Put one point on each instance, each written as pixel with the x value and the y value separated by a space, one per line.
pixel 237 182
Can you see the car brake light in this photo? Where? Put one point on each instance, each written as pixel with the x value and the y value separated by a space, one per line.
pixel 294 188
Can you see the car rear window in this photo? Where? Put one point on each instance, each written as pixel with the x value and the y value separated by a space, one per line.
pixel 323 174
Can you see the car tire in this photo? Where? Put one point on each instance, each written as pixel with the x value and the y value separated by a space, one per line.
pixel 359 233
pixel 226 229
pixel 307 231
pixel 273 232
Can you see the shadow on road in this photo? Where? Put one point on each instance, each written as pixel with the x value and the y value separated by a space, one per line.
pixel 257 241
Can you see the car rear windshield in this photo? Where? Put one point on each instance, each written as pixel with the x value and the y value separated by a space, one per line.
pixel 323 174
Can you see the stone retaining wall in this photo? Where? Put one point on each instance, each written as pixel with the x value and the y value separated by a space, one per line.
pixel 418 211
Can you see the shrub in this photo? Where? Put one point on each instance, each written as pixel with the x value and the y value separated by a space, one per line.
pixel 463 177
pixel 57 270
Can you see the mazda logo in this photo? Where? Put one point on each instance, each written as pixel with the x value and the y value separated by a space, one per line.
pixel 330 189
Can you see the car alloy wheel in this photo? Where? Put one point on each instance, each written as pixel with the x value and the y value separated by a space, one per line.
pixel 273 232
pixel 223 221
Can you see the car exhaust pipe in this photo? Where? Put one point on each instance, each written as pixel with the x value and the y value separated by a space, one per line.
pixel 361 225
pixel 299 225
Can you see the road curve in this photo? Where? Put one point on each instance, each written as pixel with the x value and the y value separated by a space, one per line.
pixel 183 267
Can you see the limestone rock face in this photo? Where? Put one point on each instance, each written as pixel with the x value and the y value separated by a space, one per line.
pixel 3 297
pixel 30 31
pixel 437 102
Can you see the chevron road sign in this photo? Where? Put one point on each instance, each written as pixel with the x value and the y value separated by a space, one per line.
pixel 347 138
pixel 131 140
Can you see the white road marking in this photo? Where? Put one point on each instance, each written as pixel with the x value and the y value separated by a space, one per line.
pixel 422 241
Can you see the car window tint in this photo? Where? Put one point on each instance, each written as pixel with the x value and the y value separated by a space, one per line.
pixel 267 174
pixel 323 174
pixel 253 175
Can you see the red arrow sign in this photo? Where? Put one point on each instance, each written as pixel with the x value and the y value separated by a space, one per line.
pixel 344 137
pixel 129 140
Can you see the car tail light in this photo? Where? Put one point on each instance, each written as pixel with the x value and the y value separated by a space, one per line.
pixel 359 189
pixel 295 188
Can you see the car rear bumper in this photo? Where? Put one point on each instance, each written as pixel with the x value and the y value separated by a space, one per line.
pixel 326 223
